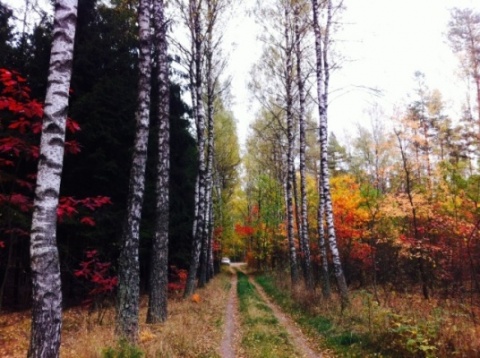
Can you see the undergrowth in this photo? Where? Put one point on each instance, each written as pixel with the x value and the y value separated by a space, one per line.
pixel 123 350
pixel 194 329
pixel 405 326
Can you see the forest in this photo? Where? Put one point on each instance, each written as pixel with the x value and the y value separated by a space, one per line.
pixel 124 187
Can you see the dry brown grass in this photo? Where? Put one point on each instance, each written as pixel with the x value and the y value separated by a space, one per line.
pixel 192 329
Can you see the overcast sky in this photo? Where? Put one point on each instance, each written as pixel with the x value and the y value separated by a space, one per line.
pixel 385 42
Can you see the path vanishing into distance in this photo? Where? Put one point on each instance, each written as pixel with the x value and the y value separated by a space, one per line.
pixel 231 342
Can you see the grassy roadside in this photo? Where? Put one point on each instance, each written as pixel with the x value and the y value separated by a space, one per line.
pixel 262 335
pixel 340 341
pixel 193 329
pixel 402 326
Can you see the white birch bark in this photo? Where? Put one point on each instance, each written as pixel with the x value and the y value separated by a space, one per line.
pixel 304 239
pixel 323 77
pixel 46 285
pixel 322 244
pixel 129 267
pixel 210 143
pixel 290 138
pixel 199 220
pixel 210 265
pixel 157 304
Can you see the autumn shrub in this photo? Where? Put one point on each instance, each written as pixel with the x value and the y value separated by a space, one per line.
pixel 400 325
pixel 177 280
pixel 100 281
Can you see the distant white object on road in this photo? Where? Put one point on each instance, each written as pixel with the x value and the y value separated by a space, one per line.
pixel 225 261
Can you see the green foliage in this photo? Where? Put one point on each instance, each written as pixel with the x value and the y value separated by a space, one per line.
pixel 337 156
pixel 226 180
pixel 409 337
pixel 123 350
pixel 344 339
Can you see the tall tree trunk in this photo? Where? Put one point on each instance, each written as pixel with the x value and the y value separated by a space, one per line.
pixel 304 239
pixel 206 239
pixel 210 145
pixel 322 244
pixel 323 77
pixel 210 266
pixel 128 263
pixel 157 304
pixel 298 221
pixel 290 139
pixel 199 220
pixel 45 265
pixel 204 258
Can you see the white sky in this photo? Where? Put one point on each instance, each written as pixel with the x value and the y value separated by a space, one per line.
pixel 385 41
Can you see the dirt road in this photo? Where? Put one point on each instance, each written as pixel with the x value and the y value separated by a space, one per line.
pixel 230 342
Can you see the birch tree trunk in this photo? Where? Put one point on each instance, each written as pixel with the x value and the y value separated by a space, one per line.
pixel 304 239
pixel 211 18
pixel 129 268
pixel 199 220
pixel 46 285
pixel 157 304
pixel 322 244
pixel 210 266
pixel 290 139
pixel 323 77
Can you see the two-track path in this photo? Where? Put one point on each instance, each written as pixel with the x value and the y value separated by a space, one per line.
pixel 229 346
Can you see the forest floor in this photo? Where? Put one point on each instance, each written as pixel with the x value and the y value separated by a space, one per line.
pixel 236 316
pixel 212 325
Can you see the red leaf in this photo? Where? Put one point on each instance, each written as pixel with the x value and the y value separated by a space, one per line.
pixel 72 147
pixel 72 126
pixel 91 253
pixel 20 201
pixel 88 220
pixel 6 163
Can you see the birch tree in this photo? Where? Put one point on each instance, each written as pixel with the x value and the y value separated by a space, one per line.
pixel 304 238
pixel 288 77
pixel 129 267
pixel 196 23
pixel 45 266
pixel 157 304
pixel 212 69
pixel 322 43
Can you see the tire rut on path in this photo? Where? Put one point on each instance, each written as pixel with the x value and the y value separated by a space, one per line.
pixel 299 340
pixel 228 345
